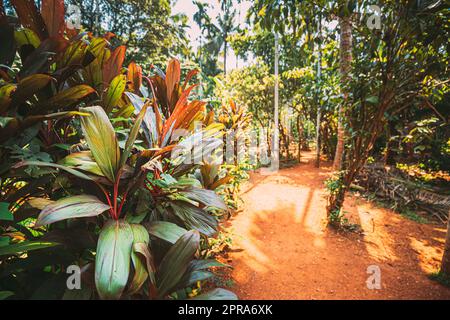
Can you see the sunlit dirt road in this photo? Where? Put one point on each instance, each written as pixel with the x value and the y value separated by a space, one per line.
pixel 283 250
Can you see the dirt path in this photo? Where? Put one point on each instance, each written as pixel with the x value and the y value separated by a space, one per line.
pixel 282 249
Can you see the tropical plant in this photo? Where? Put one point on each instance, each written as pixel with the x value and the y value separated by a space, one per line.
pixel 101 191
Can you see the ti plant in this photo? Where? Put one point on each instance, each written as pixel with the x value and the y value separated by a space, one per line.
pixel 129 212
pixel 122 243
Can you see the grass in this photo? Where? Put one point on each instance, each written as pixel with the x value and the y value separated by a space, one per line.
pixel 407 213
pixel 411 215
pixel 440 277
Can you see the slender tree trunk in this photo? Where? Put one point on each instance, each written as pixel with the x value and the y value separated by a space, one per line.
pixel 389 157
pixel 345 68
pixel 300 138
pixel 319 111
pixel 225 56
pixel 445 265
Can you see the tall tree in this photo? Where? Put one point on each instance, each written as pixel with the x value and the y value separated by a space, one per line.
pixel 345 15
pixel 216 33
pixel 402 56
pixel 147 27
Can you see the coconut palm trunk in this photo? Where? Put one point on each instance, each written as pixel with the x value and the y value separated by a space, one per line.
pixel 345 68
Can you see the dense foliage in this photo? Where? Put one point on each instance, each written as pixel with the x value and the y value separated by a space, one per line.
pixel 94 170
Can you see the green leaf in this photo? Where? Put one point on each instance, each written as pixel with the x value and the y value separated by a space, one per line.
pixel 82 161
pixel 5 294
pixel 140 234
pixel 4 121
pixel 102 141
pixel 4 241
pixel 25 246
pixel 372 99
pixel 114 93
pixel 132 137
pixel 140 245
pixel 196 271
pixel 112 262
pixel 5 214
pixel 194 276
pixel 167 231
pixel 53 165
pixel 176 261
pixel 65 98
pixel 71 207
pixel 207 197
pixel 217 294
pixel 26 36
pixel 194 217
pixel 29 86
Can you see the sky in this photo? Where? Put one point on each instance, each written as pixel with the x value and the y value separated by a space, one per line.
pixel 188 8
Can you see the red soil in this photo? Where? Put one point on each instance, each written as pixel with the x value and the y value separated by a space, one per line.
pixel 283 250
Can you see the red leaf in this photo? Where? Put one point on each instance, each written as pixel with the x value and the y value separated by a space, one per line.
pixel 134 76
pixel 30 17
pixel 109 35
pixel 53 14
pixel 173 74
pixel 113 65
pixel 189 77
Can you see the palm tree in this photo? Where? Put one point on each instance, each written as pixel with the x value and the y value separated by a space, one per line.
pixel 217 34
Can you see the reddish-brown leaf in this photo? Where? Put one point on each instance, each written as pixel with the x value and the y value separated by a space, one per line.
pixel 30 17
pixel 134 76
pixel 189 77
pixel 113 65
pixel 173 74
pixel 53 14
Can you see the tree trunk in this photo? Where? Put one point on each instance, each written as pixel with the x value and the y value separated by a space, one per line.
pixel 225 56
pixel 345 68
pixel 318 147
pixel 300 138
pixel 389 156
pixel 445 265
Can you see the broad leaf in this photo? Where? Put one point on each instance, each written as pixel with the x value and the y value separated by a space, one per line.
pixel 217 294
pixel 176 261
pixel 112 262
pixel 132 136
pixel 71 207
pixel 53 15
pixel 26 37
pixel 114 93
pixel 150 127
pixel 29 86
pixel 139 256
pixel 113 65
pixel 5 294
pixel 194 217
pixel 25 246
pixel 67 97
pixel 30 17
pixel 74 172
pixel 82 160
pixel 207 197
pixel 134 77
pixel 102 141
pixel 167 231
pixel 5 214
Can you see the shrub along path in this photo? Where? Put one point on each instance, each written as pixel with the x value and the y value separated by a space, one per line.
pixel 283 250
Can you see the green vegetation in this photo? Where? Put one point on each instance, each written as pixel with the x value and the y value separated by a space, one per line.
pixel 115 134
